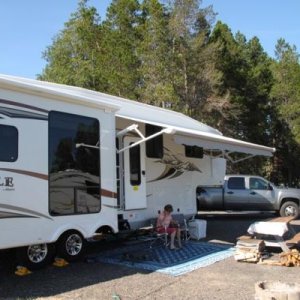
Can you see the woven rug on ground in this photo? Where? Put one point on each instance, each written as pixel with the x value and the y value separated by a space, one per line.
pixel 191 256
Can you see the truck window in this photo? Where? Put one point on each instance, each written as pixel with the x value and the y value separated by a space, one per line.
pixel 258 184
pixel 74 172
pixel 236 183
pixel 9 143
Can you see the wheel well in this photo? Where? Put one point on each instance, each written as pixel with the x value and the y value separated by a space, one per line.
pixel 290 200
pixel 105 230
pixel 68 232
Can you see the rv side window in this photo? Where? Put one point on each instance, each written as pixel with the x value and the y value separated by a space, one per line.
pixel 9 143
pixel 135 165
pixel 74 170
pixel 154 147
pixel 193 151
pixel 236 183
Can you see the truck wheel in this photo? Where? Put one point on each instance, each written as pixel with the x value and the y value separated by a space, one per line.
pixel 35 257
pixel 71 246
pixel 289 209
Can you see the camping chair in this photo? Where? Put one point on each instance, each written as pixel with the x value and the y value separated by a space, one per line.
pixel 158 238
pixel 179 218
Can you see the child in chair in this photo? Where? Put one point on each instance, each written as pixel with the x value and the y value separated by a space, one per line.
pixel 165 223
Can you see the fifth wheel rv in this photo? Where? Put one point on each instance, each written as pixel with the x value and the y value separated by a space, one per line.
pixel 76 163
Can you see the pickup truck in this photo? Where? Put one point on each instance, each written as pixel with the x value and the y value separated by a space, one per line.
pixel 249 193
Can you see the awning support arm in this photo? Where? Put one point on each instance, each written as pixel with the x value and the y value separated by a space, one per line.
pixel 238 160
pixel 143 139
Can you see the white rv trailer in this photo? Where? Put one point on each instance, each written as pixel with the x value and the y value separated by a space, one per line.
pixel 75 162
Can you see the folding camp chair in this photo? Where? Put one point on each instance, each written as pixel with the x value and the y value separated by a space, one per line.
pixel 158 238
pixel 179 218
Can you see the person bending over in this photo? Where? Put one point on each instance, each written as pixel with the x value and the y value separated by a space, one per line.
pixel 165 223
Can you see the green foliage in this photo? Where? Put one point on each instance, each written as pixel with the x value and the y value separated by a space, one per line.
pixel 286 90
pixel 155 56
pixel 168 53
pixel 121 38
pixel 72 57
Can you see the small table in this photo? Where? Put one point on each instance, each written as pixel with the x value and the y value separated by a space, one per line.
pixel 276 228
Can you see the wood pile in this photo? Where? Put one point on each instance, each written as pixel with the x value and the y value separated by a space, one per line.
pixel 249 250
pixel 287 259
pixel 290 259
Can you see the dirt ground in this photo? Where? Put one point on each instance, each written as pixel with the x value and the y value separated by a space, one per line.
pixel 224 280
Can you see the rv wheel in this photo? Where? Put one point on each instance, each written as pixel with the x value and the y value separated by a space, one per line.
pixel 71 246
pixel 35 256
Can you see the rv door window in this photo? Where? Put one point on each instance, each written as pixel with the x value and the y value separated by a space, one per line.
pixel 74 172
pixel 9 143
pixel 135 165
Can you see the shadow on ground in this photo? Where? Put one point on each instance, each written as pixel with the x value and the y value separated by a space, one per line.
pixel 52 280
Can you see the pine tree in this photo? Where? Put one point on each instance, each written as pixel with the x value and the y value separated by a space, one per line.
pixel 155 56
pixel 189 28
pixel 74 58
pixel 286 114
pixel 121 37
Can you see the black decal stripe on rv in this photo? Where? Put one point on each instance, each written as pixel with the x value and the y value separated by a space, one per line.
pixel 109 194
pixel 18 113
pixel 28 173
pixel 24 210
pixel 8 215
pixel 23 105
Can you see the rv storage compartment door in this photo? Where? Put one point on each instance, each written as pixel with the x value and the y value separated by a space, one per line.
pixel 134 175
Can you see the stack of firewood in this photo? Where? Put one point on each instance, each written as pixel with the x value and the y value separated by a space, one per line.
pixel 290 259
pixel 249 250
pixel 286 259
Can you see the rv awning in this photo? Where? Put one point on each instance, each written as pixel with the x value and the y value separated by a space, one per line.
pixel 208 140
pixel 222 143
pixel 186 130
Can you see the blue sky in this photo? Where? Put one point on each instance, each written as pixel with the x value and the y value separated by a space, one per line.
pixel 28 27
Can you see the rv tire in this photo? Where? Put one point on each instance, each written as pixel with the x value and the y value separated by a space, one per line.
pixel 35 257
pixel 71 246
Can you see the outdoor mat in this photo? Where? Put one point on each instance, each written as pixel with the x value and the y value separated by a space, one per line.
pixel 191 256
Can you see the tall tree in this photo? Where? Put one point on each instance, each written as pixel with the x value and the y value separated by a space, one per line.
pixel 286 91
pixel 189 27
pixel 286 121
pixel 121 37
pixel 74 55
pixel 155 56
pixel 227 78
pixel 242 87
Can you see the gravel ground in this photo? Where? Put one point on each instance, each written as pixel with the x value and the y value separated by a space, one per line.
pixel 224 280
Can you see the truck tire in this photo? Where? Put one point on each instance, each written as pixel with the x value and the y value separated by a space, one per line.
pixel 289 209
pixel 35 257
pixel 71 246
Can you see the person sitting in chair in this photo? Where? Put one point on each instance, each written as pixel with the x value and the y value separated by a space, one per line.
pixel 165 223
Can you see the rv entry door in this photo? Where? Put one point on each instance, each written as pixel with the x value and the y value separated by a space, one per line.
pixel 134 175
